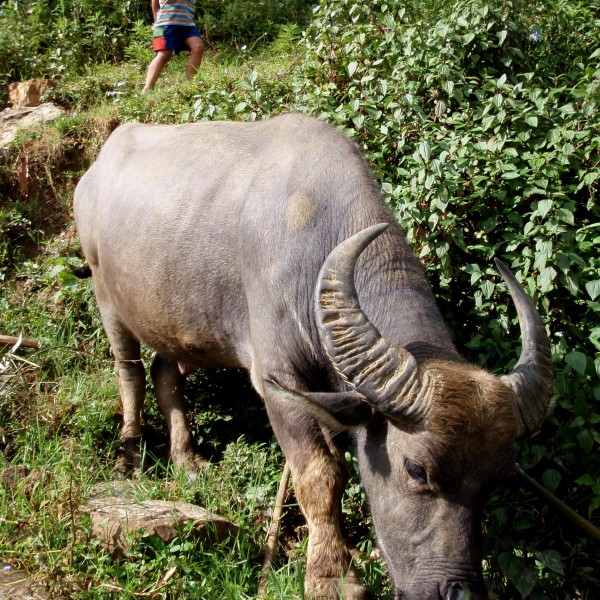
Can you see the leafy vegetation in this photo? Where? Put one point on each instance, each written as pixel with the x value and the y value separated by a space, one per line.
pixel 246 23
pixel 480 119
pixel 40 38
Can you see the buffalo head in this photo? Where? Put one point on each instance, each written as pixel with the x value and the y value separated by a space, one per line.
pixel 437 434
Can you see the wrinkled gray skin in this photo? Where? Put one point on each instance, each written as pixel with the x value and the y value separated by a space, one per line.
pixel 208 242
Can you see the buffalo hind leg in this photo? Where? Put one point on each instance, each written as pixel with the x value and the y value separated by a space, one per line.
pixel 131 381
pixel 319 475
pixel 169 385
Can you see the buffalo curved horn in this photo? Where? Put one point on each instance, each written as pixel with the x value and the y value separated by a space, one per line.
pixel 531 378
pixel 388 377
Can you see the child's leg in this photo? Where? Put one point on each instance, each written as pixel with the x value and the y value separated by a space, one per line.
pixel 155 68
pixel 196 46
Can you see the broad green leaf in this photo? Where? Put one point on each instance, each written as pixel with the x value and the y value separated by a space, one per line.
pixel 523 578
pixel 436 167
pixel 488 288
pixel 577 422
pixel 69 283
pixel 448 87
pixel 543 206
pixel 352 68
pixel 568 149
pixel 586 440
pixel 586 479
pixel 546 278
pixel 570 281
pixel 551 479
pixel 425 251
pixel 488 121
pixel 595 337
pixel 475 272
pixel 593 288
pixel 358 121
pixel 545 247
pixel 440 108
pixel 567 109
pixel 566 216
pixel 56 270
pixel 551 559
pixel 442 249
pixel 425 150
pixel 577 361
pixel 589 178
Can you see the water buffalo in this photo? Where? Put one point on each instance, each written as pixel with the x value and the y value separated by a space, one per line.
pixel 267 246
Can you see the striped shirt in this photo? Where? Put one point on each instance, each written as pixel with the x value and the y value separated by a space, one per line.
pixel 176 12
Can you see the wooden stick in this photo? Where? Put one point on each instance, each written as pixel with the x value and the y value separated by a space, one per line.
pixel 271 543
pixel 9 340
pixel 566 511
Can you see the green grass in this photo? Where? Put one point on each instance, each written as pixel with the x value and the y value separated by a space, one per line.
pixel 114 91
pixel 59 441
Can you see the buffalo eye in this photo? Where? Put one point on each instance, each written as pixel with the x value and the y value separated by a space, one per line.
pixel 417 472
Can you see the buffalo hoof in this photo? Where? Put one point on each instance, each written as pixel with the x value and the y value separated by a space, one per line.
pixel 129 457
pixel 332 588
pixel 191 463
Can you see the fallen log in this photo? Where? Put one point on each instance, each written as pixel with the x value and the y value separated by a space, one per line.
pixel 9 340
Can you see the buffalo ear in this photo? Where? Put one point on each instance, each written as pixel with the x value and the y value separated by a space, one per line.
pixel 335 410
pixel 347 409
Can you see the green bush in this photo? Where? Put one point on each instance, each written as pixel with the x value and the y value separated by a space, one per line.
pixel 41 38
pixel 247 22
pixel 481 119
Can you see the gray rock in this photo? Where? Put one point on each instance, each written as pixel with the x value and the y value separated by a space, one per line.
pixel 14 119
pixel 115 519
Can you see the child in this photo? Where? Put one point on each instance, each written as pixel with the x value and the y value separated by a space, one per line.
pixel 174 30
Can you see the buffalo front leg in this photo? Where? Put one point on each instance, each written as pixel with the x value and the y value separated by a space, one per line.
pixel 319 475
pixel 169 385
